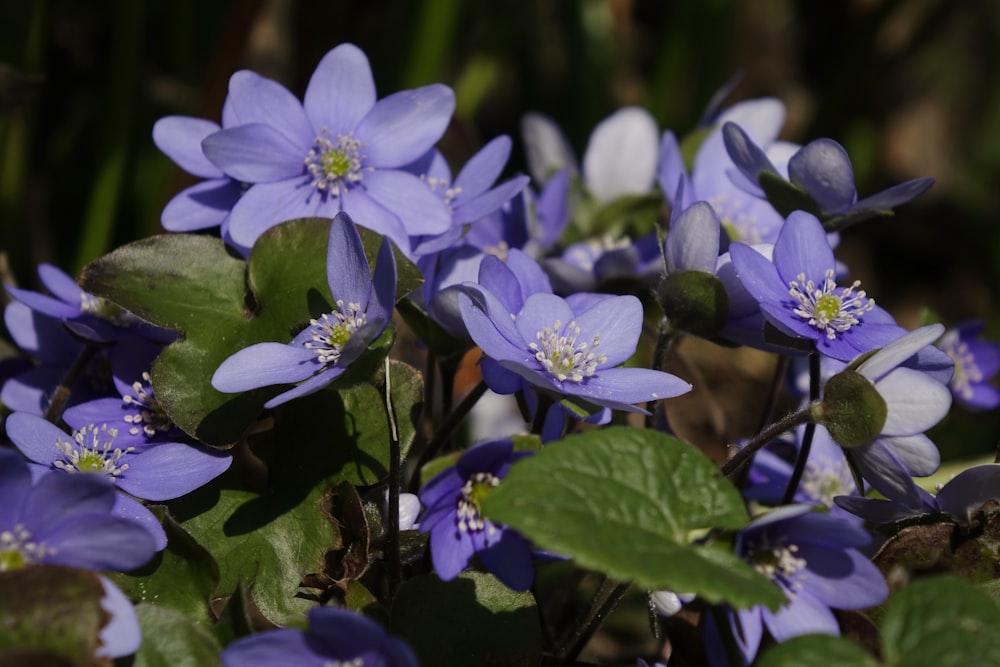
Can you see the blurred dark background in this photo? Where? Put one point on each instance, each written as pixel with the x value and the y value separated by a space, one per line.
pixel 905 85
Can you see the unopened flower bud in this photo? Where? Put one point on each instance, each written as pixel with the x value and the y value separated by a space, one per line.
pixel 852 410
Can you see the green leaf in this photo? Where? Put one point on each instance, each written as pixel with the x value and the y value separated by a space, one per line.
pixel 485 623
pixel 941 622
pixel 195 285
pixel 170 639
pixel 52 608
pixel 268 542
pixel 182 577
pixel 627 502
pixel 817 651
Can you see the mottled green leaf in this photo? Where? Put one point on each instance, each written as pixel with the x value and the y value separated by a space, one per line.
pixel 171 639
pixel 483 621
pixel 221 304
pixel 628 502
pixel 941 622
pixel 817 651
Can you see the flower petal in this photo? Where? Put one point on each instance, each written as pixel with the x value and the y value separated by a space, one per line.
pixel 915 401
pixel 284 646
pixel 168 470
pixel 98 541
pixel 180 137
pixel 509 559
pixel 898 351
pixel 618 323
pixel 35 437
pixel 823 169
pixel 403 126
pixel 483 169
pixel 341 90
pixel 202 206
pixel 897 195
pixel 546 148
pixel 255 153
pixel 266 204
pixel 263 365
pixel 693 241
pixel 347 270
pixel 803 615
pixel 802 248
pixel 409 199
pixel 628 386
pixel 121 635
pixel 257 99
pixel 621 155
pixel 917 452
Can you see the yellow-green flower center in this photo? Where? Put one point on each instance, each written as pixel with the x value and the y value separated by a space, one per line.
pixel 91 451
pixel 822 308
pixel 331 332
pixel 334 163
pixel 562 357
pixel 17 549
pixel 475 489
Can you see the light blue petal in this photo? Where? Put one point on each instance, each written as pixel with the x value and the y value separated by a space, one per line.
pixel 263 365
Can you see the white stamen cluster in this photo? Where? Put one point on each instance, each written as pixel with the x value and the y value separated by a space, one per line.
pixel 335 164
pixel 822 308
pixel 967 371
pixel 825 478
pixel 778 562
pixel 448 194
pixel 565 359
pixel 150 418
pixel 90 450
pixel 473 491
pixel 331 332
pixel 17 549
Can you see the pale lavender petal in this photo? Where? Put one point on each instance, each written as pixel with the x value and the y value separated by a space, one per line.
pixel 621 155
pixel 693 240
pixel 618 322
pixel 35 437
pixel 546 148
pixel 823 169
pixel 509 559
pixel 284 646
pixel 628 385
pixel 419 210
pixel 969 489
pixel 884 471
pixel 98 542
pixel 451 549
pixel 917 452
pixel 257 99
pixel 803 249
pixel 841 578
pixel 341 90
pixel 403 126
pixel 127 507
pixel 170 469
pixel 45 304
pixel 746 155
pixel 469 211
pixel 202 206
pixel 490 326
pixel 803 615
pixel 901 349
pixel 15 481
pixel 672 175
pixel 266 204
pixel 915 401
pixel 310 386
pixel 542 311
pixel 263 365
pixel 483 169
pixel 897 195
pixel 757 275
pixel 255 153
pixel 121 635
pixel 180 137
pixel 347 270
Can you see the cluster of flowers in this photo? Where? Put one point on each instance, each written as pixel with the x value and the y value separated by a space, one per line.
pixel 733 268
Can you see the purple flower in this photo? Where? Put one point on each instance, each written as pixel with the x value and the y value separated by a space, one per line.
pixel 913 400
pixel 64 520
pixel 961 496
pixel 335 636
pixel 745 217
pixel 568 347
pixel 814 559
pixel 338 150
pixel 822 170
pixel 159 471
pixel 321 352
pixel 976 362
pixel 798 294
pixel 206 204
pixel 457 531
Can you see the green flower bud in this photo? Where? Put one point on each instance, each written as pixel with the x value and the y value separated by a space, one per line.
pixel 852 410
pixel 694 301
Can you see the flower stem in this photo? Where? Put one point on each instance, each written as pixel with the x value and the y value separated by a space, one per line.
pixel 393 563
pixel 732 467
pixel 609 595
pixel 61 394
pixel 452 420
pixel 666 346
pixel 807 436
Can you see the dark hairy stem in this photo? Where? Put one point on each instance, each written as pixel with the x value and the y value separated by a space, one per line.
pixel 452 420
pixel 807 436
pixel 666 344
pixel 393 562
pixel 61 394
pixel 609 595
pixel 732 467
